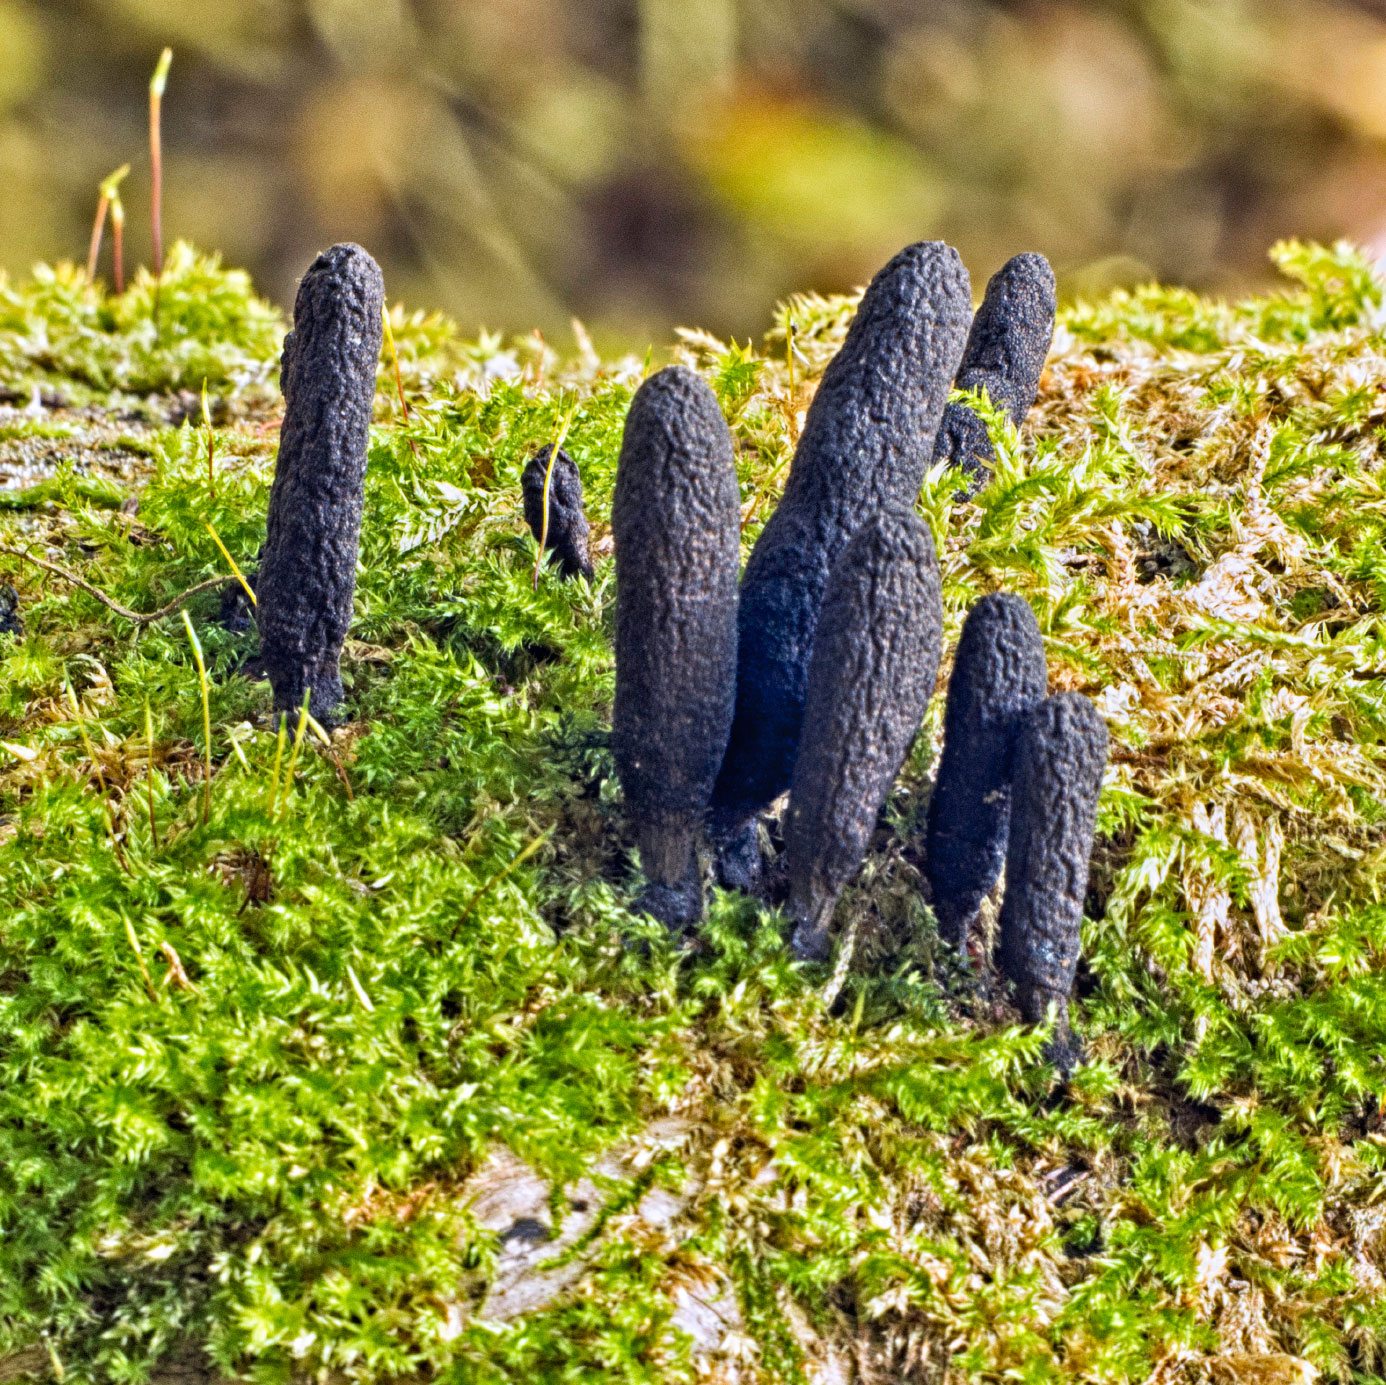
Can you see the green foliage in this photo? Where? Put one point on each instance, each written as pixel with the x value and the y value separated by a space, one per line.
pixel 251 1066
pixel 60 332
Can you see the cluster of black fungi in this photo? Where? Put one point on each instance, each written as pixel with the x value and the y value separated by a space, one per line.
pixel 808 673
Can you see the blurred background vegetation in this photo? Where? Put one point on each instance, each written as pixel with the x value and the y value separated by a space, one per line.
pixel 642 163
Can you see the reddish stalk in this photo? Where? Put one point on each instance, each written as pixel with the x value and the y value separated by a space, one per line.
pixel 97 226
pixel 108 194
pixel 118 241
pixel 157 84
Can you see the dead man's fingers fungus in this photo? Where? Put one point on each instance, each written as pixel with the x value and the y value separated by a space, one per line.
pixel 563 531
pixel 867 441
pixel 676 526
pixel 1061 754
pixel 998 676
pixel 874 663
pixel 1005 355
pixel 307 576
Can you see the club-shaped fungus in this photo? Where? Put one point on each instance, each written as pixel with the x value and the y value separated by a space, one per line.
pixel 866 443
pixel 676 526
pixel 1060 757
pixel 874 663
pixel 1005 355
pixel 998 676
pixel 307 575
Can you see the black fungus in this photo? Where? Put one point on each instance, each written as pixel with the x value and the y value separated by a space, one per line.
pixel 874 663
pixel 1005 355
pixel 307 573
pixel 234 611
pixel 999 675
pixel 567 534
pixel 10 621
pixel 866 443
pixel 676 529
pixel 1060 757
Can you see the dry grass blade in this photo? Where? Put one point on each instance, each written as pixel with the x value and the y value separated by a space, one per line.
pixel 138 617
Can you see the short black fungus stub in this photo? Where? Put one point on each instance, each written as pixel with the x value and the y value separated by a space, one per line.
pixel 1061 754
pixel 675 525
pixel 874 663
pixel 866 443
pixel 1005 356
pixel 999 675
pixel 307 575
pixel 10 621
pixel 567 532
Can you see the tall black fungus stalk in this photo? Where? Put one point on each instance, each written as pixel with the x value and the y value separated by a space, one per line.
pixel 307 574
pixel 999 675
pixel 865 446
pixel 676 525
pixel 874 662
pixel 1005 355
pixel 1060 757
pixel 567 531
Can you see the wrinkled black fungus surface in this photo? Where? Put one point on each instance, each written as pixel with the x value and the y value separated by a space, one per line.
pixel 676 526
pixel 10 621
pixel 234 611
pixel 866 443
pixel 999 675
pixel 1060 757
pixel 874 663
pixel 307 573
pixel 1005 355
pixel 567 536
pixel 739 864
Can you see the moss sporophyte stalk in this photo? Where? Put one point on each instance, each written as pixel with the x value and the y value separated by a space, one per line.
pixel 353 1056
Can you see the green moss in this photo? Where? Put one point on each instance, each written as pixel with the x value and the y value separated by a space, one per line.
pixel 416 950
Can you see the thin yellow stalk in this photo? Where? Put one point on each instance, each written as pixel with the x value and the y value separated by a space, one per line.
pixel 139 958
pixel 513 864
pixel 230 561
pixel 315 726
pixel 206 717
pixel 106 195
pixel 86 739
pixel 118 241
pixel 100 777
pixel 359 989
pixel 298 742
pixel 157 83
pixel 789 355
pixel 149 776
pixel 399 379
pixel 548 476
pixel 280 738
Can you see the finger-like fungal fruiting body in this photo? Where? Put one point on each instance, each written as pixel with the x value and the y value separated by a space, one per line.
pixel 676 529
pixel 566 535
pixel 866 443
pixel 10 622
pixel 998 677
pixel 307 572
pixel 1061 754
pixel 874 663
pixel 1005 356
